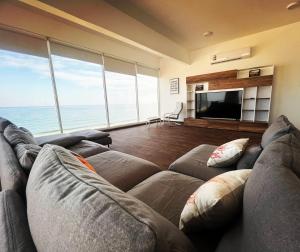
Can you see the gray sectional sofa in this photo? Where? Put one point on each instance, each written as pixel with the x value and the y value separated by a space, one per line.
pixel 129 204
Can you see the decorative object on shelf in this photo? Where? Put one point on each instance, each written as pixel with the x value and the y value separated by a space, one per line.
pixel 254 72
pixel 174 86
pixel 199 87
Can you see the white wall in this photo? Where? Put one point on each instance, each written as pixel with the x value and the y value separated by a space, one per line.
pixel 280 46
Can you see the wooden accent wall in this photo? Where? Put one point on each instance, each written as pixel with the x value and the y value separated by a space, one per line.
pixel 211 76
pixel 241 83
pixel 228 80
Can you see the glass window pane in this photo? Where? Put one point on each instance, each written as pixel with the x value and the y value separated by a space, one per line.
pixel 26 96
pixel 80 93
pixel 148 96
pixel 121 96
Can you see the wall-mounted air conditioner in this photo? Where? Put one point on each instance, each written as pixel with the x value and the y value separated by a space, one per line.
pixel 232 55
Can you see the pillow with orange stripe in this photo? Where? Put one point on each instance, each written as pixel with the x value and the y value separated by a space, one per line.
pixel 84 162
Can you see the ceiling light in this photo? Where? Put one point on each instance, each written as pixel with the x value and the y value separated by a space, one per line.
pixel 208 34
pixel 293 5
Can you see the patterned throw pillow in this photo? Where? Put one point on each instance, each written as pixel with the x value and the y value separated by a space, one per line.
pixel 228 153
pixel 215 203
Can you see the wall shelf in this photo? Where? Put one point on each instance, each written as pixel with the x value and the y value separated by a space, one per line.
pixel 257 104
pixel 256 101
pixel 190 98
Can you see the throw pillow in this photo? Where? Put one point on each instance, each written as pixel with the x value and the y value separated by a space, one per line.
pixel 15 136
pixel 84 161
pixel 70 208
pixel 228 153
pixel 215 203
pixel 249 157
pixel 26 154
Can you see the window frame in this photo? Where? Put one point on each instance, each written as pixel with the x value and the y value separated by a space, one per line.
pixel 49 41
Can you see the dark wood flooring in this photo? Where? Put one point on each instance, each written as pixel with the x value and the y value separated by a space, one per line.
pixel 163 145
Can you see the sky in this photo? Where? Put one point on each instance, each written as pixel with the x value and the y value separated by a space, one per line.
pixel 25 81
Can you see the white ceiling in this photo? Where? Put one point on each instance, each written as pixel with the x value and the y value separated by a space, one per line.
pixel 170 28
pixel 184 21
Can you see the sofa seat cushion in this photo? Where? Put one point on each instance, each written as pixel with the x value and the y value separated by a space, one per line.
pixel 194 163
pixel 64 140
pixel 166 192
pixel 71 208
pixel 271 216
pixel 122 170
pixel 14 229
pixel 87 148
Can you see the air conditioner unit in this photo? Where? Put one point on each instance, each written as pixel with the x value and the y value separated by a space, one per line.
pixel 232 55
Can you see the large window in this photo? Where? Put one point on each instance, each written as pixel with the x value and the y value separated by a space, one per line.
pixel 87 91
pixel 79 83
pixel 26 96
pixel 147 92
pixel 121 91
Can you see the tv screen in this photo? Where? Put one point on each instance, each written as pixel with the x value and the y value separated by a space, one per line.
pixel 219 105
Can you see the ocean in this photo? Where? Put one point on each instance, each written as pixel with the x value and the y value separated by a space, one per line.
pixel 43 120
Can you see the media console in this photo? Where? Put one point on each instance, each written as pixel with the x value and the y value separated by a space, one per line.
pixel 256 100
pixel 257 127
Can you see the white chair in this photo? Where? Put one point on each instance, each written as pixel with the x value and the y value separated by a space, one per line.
pixel 169 117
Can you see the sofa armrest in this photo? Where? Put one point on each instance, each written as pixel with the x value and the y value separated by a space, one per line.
pixel 64 140
pixel 194 163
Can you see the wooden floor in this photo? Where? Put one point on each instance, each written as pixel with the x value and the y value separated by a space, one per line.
pixel 163 145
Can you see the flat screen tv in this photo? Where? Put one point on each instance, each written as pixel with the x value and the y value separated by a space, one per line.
pixel 219 105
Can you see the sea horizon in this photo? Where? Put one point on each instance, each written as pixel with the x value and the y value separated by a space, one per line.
pixel 43 119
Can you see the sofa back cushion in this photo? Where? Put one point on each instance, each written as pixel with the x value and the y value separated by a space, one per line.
pixel 26 154
pixel 271 216
pixel 278 128
pixel 3 124
pixel 249 157
pixel 14 229
pixel 15 135
pixel 73 209
pixel 11 174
